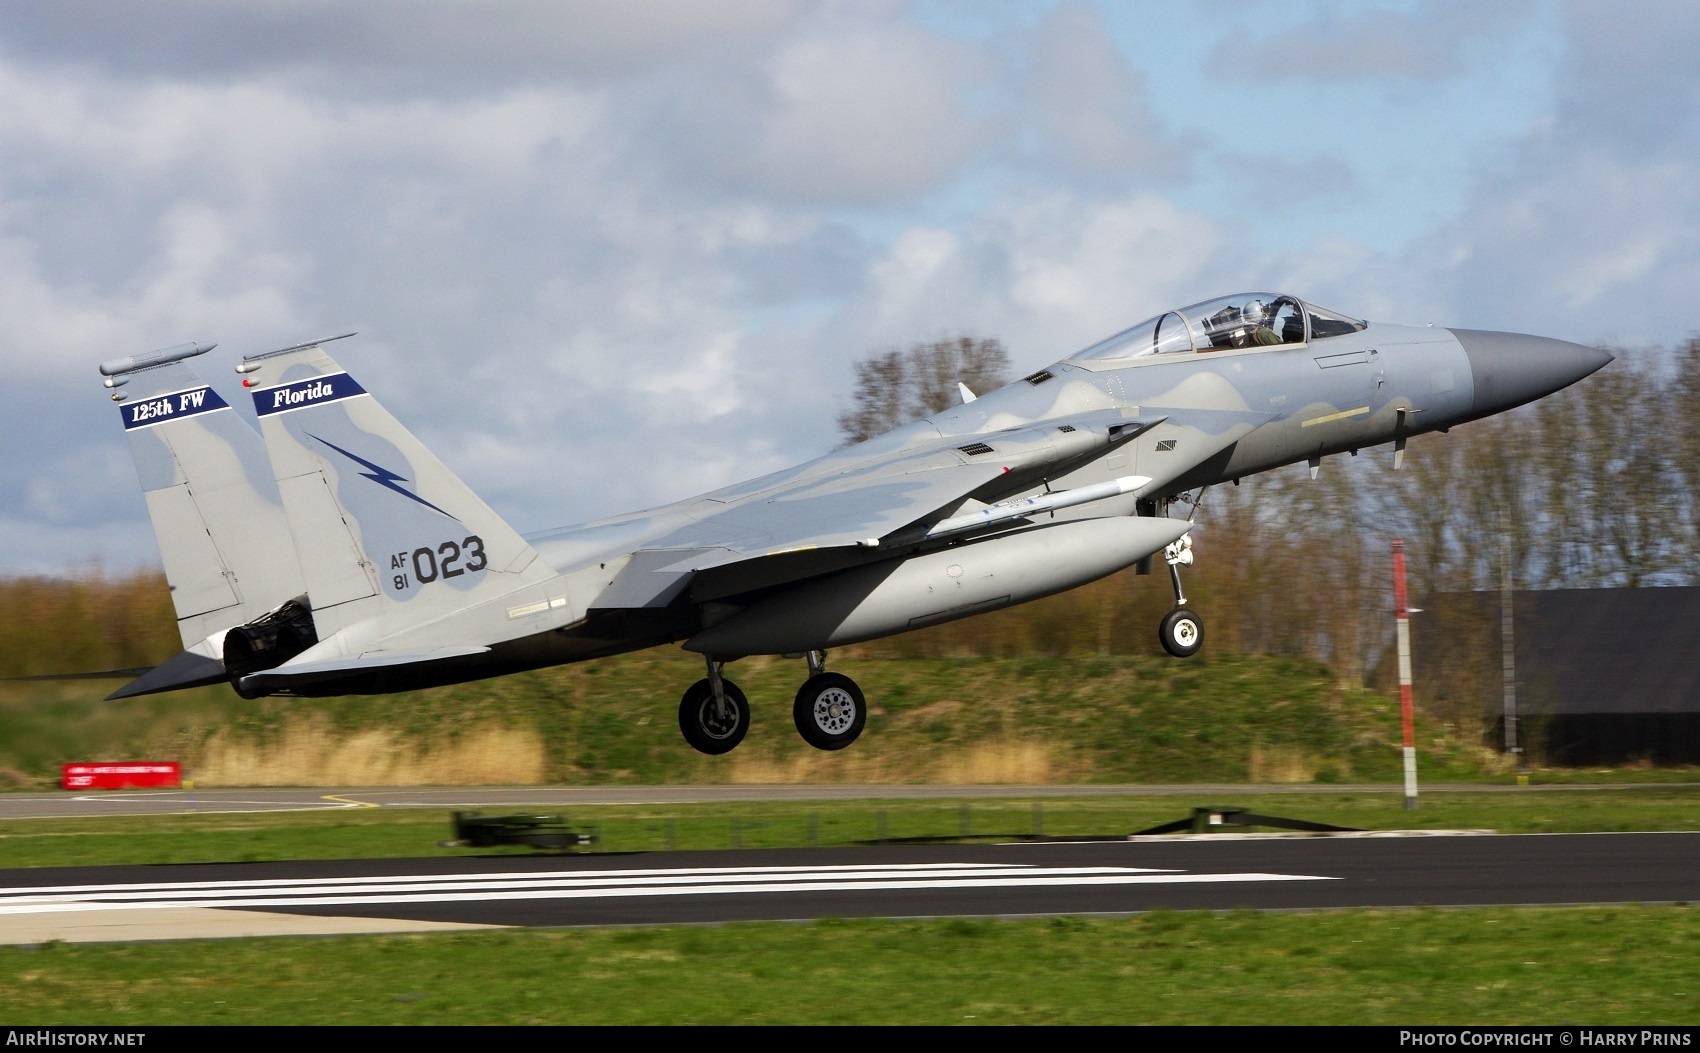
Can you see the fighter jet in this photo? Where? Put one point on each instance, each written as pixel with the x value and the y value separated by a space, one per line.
pixel 331 553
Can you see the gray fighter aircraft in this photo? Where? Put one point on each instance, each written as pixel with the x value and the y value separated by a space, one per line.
pixel 331 553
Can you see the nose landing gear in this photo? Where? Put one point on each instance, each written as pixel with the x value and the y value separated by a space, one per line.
pixel 1181 631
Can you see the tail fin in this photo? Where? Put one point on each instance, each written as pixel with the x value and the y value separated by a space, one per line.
pixel 383 530
pixel 214 503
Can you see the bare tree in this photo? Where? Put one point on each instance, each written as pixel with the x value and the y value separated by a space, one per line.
pixel 901 385
pixel 1682 395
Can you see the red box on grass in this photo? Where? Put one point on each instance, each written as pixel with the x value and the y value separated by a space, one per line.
pixel 122 775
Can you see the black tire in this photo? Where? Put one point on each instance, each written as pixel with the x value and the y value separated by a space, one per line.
pixel 830 711
pixel 1182 633
pixel 700 721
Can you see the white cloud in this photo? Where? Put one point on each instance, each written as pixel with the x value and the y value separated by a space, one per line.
pixel 81 484
pixel 1589 227
pixel 1046 271
pixel 859 110
pixel 451 46
pixel 1424 42
pixel 608 267
pixel 1090 108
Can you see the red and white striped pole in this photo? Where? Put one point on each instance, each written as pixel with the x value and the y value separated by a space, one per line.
pixel 1402 623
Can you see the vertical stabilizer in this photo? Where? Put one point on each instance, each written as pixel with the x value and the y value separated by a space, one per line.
pixel 385 533
pixel 214 504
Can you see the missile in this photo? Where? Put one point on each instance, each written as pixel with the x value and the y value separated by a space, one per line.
pixel 251 362
pixel 153 358
pixel 1018 507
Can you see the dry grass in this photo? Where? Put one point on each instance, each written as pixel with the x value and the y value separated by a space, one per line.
pixel 813 766
pixel 1021 763
pixel 309 752
pixel 992 763
pixel 1281 764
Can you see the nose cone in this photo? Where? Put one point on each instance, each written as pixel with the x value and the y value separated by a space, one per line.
pixel 1510 369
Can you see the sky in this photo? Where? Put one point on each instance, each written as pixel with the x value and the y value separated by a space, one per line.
pixel 603 256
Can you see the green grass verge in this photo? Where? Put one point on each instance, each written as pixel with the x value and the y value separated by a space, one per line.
pixel 370 833
pixel 1591 965
pixel 1091 719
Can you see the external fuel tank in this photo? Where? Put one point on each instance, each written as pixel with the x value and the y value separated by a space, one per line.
pixel 968 578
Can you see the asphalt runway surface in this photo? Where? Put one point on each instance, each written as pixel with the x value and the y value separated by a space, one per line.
pixel 1205 872
pixel 191 802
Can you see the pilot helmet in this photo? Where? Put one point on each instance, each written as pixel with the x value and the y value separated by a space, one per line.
pixel 1254 312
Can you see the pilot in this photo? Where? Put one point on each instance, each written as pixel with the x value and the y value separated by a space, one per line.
pixel 1243 326
pixel 1256 317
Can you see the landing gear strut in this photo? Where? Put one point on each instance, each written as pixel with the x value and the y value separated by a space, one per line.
pixel 1181 631
pixel 829 711
pixel 714 714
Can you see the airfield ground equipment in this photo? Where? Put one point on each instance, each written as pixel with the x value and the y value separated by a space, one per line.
pixel 1210 820
pixel 476 830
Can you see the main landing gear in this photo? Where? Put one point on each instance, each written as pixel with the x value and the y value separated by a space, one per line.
pixel 1181 631
pixel 829 710
pixel 714 714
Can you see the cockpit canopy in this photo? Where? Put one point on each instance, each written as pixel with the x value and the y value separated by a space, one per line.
pixel 1238 321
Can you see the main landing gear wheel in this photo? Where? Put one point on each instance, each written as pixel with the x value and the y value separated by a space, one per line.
pixel 1181 632
pixel 706 728
pixel 830 711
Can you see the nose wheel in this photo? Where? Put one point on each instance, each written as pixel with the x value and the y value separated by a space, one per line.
pixel 830 711
pixel 1181 632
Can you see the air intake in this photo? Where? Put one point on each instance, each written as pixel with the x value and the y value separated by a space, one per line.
pixel 1039 377
pixel 975 449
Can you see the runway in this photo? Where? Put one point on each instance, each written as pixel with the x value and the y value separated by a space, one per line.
pixel 1212 872
pixel 207 802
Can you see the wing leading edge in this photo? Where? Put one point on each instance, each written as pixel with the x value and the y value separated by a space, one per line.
pixel 848 509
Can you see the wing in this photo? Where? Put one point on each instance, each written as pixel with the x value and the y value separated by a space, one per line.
pixel 848 508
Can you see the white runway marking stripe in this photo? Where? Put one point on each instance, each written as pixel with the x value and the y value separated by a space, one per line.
pixel 588 884
pixel 512 882
pixel 518 875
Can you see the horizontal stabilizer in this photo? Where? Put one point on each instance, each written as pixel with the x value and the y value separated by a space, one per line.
pixel 187 669
pixel 91 674
pixel 292 674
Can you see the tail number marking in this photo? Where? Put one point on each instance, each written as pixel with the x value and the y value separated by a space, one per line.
pixel 451 559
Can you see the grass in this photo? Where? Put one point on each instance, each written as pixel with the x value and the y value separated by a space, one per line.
pixel 1588 965
pixel 1097 719
pixel 370 833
